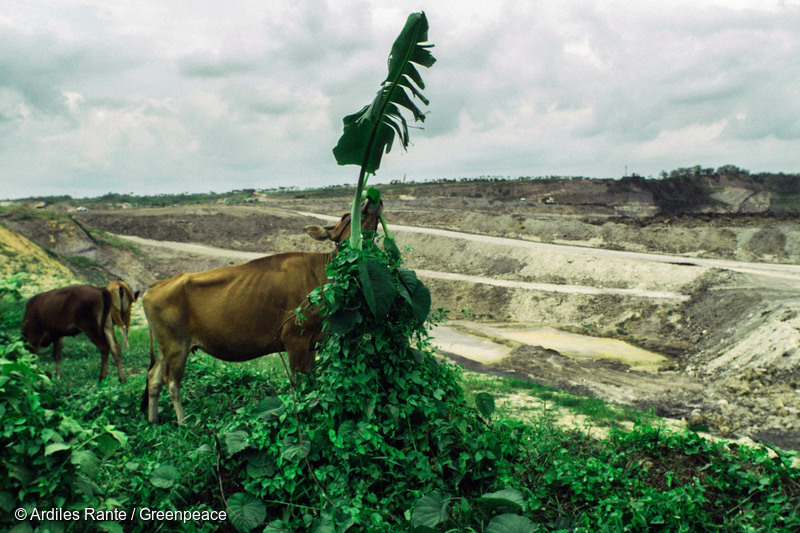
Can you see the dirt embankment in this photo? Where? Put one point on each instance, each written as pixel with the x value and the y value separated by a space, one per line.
pixel 742 237
pixel 19 254
pixel 246 229
pixel 731 335
pixel 74 253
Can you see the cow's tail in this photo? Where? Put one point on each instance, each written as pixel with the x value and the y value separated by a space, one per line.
pixel 101 326
pixel 125 325
pixel 152 351
pixel 145 395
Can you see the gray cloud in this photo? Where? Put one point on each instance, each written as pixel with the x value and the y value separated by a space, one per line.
pixel 163 97
pixel 198 66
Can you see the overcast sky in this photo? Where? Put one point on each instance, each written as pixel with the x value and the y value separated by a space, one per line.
pixel 158 96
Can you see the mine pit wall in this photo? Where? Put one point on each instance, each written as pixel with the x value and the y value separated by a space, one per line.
pixel 557 266
pixel 652 323
pixel 723 331
pixel 66 239
pixel 727 237
pixel 745 335
pixel 655 325
pixel 740 342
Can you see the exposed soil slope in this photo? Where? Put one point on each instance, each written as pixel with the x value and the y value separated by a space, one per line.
pixel 18 254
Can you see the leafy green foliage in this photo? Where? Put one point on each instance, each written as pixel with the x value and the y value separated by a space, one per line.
pixel 251 446
pixel 645 478
pixel 371 131
pixel 509 499
pixel 50 459
pixel 81 444
pixel 381 420
pixel 10 287
pixel 430 510
pixel 510 523
pixel 485 404
pixel 10 297
pixel 247 512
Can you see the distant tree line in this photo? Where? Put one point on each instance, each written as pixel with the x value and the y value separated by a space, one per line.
pixel 683 190
pixel 158 200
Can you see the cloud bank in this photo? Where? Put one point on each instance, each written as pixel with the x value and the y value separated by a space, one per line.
pixel 155 97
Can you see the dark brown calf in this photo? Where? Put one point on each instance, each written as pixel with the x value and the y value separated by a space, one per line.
pixel 67 312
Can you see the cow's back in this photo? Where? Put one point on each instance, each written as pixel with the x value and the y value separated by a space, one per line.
pixel 240 312
pixel 63 312
pixel 122 299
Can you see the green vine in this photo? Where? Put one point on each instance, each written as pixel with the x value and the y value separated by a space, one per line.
pixel 379 423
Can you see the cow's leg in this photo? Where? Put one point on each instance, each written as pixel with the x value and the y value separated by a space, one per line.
pixel 103 364
pixel 301 358
pixel 100 339
pixel 115 349
pixel 174 376
pixel 175 396
pixel 115 352
pixel 124 332
pixel 155 380
pixel 169 369
pixel 57 355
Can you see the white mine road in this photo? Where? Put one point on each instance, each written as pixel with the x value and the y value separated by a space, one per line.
pixel 786 272
pixel 202 249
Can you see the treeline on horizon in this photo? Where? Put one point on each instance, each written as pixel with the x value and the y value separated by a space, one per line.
pixel 682 190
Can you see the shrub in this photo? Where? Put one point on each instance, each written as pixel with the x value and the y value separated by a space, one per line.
pixel 380 422
pixel 10 296
pixel 49 459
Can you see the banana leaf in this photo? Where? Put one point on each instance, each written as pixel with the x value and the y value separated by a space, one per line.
pixel 370 132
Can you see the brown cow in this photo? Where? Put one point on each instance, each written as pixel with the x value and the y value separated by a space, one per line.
pixel 239 313
pixel 67 312
pixel 121 302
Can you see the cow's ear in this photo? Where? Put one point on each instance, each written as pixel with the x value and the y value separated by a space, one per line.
pixel 318 232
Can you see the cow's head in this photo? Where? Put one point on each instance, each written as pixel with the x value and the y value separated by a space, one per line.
pixel 370 215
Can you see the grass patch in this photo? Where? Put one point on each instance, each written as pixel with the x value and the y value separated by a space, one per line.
pixel 91 270
pixel 107 239
pixel 527 401
pixel 162 467
pixel 82 262
pixel 19 213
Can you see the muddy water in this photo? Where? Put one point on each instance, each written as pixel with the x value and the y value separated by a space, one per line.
pixel 460 341
pixel 488 343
